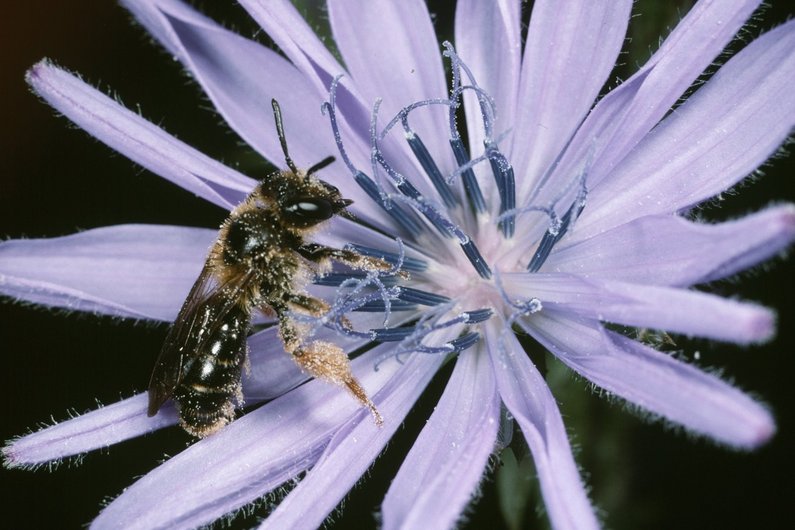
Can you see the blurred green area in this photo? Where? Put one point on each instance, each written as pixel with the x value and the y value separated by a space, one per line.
pixel 56 180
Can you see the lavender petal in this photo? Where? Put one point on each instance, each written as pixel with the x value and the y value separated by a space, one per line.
pixel 134 271
pixel 672 309
pixel 353 449
pixel 728 128
pixel 488 39
pixel 527 397
pixel 248 458
pixel 625 115
pixel 656 382
pixel 136 138
pixel 450 455
pixel 391 52
pixel 571 48
pixel 298 41
pixel 668 250
pixel 94 430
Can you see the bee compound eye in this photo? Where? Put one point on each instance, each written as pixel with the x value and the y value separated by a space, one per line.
pixel 309 210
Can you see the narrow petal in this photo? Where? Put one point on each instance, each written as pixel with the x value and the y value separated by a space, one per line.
pixel 625 115
pixel 488 38
pixel 527 397
pixel 450 455
pixel 88 432
pixel 353 449
pixel 135 271
pixel 668 250
pixel 241 77
pixel 248 458
pixel 570 50
pixel 298 41
pixel 391 51
pixel 139 140
pixel 672 309
pixel 728 128
pixel 656 382
pixel 272 374
pixel 302 46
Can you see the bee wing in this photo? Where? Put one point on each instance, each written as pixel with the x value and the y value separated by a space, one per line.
pixel 207 300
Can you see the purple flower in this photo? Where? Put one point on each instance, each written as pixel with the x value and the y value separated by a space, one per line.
pixel 562 216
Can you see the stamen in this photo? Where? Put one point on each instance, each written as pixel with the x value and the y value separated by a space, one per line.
pixel 476 258
pixel 401 182
pixel 409 294
pixel 413 335
pixel 556 232
pixel 501 168
pixel 478 315
pixel 506 185
pixel 397 213
pixel 470 250
pixel 420 151
pixel 486 102
pixel 335 279
pixel 471 186
pixel 379 306
pixel 521 307
pixel 429 165
pixel 409 264
pixel 465 341
pixel 391 334
pixel 371 188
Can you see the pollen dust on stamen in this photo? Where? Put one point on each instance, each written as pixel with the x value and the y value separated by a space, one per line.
pixel 327 361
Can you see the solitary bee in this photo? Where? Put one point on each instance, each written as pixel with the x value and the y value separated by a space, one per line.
pixel 259 262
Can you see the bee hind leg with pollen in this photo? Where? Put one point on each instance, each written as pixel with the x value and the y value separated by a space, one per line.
pixel 321 359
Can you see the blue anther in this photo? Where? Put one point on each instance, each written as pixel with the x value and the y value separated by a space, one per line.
pixel 406 221
pixel 379 306
pixel 409 294
pixel 471 186
pixel 478 315
pixel 476 258
pixel 409 264
pixel 335 279
pixel 391 334
pixel 465 341
pixel 429 165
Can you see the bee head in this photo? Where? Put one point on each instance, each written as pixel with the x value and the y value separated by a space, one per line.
pixel 303 200
pixel 311 203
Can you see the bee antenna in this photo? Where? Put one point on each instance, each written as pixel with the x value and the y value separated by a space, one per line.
pixel 277 115
pixel 320 165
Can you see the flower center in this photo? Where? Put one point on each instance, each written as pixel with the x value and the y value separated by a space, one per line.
pixel 454 239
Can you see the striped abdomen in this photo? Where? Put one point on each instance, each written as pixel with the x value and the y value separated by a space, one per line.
pixel 210 385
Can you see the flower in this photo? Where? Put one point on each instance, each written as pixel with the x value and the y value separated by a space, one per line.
pixel 570 217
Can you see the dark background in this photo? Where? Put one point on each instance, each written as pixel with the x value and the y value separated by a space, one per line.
pixel 58 180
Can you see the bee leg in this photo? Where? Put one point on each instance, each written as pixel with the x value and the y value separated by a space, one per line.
pixel 322 360
pixel 320 254
pixel 315 307
pixel 327 361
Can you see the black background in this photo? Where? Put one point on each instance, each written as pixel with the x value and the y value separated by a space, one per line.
pixel 57 180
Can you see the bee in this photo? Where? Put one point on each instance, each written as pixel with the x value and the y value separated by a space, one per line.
pixel 259 262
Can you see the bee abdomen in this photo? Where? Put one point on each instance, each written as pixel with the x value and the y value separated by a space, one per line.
pixel 210 389
pixel 205 410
